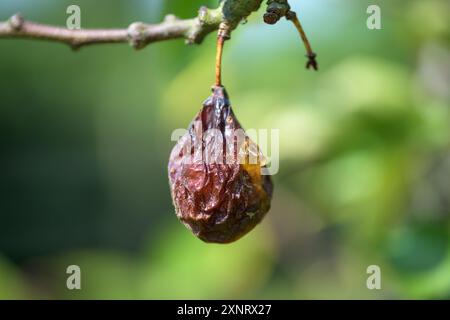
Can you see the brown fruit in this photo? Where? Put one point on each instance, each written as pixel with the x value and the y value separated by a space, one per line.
pixel 218 191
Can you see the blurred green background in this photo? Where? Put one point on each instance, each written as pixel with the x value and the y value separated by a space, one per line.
pixel 364 162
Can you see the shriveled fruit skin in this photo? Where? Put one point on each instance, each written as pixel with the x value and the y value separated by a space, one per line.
pixel 219 202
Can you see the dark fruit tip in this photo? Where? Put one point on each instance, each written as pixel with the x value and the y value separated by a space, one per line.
pixel 219 92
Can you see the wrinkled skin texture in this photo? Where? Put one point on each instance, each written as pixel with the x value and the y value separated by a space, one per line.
pixel 222 200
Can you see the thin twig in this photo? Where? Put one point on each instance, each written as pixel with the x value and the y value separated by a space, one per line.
pixel 292 16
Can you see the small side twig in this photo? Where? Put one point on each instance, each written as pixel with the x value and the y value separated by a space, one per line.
pixel 312 62
pixel 276 9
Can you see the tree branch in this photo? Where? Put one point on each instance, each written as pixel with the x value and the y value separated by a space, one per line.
pixel 138 34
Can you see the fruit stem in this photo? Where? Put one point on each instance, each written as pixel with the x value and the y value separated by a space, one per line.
pixel 224 34
pixel 220 42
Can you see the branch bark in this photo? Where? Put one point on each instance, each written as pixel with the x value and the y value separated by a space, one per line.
pixel 138 34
